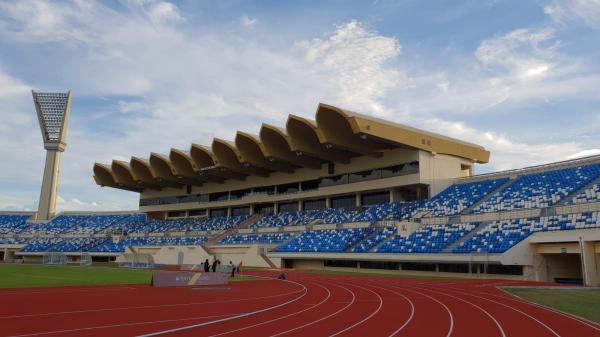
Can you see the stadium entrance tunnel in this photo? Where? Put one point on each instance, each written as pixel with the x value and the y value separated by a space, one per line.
pixel 562 268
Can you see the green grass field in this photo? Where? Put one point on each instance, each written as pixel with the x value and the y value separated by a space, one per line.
pixel 583 303
pixel 32 275
pixel 35 275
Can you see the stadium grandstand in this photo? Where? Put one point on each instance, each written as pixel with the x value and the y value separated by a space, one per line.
pixel 343 192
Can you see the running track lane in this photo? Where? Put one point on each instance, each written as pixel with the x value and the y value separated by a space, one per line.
pixel 129 312
pixel 338 305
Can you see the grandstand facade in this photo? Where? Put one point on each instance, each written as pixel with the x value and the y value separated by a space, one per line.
pixel 345 191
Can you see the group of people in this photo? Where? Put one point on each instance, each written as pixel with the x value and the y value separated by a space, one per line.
pixel 216 262
pixel 208 267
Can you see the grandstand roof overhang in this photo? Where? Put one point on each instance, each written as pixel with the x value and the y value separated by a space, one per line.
pixel 335 135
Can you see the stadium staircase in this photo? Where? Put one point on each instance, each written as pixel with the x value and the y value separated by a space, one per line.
pixel 421 214
pixel 469 235
pixel 246 224
pixel 214 240
pixel 573 194
pixel 267 260
pixel 374 249
pixel 470 209
pixel 375 232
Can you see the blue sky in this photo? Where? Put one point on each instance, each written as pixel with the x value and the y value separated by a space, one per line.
pixel 521 78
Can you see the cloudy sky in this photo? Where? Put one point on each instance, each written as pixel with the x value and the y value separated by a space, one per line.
pixel 521 78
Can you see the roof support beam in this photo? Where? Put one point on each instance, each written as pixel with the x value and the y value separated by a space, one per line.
pixel 279 148
pixel 142 171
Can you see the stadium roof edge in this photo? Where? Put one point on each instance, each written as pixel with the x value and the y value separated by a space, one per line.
pixel 335 135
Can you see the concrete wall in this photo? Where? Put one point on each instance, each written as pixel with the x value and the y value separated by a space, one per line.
pixel 439 170
pixel 250 255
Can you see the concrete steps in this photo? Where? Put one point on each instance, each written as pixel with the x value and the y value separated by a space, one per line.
pixel 469 235
pixel 487 197
pixel 375 231
pixel 573 194
pixel 374 249
pixel 268 261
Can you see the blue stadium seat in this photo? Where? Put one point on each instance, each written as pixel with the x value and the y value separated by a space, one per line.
pixel 57 225
pixel 330 240
pixel 539 190
pixel 110 246
pixel 458 197
pixel 590 194
pixel 217 223
pixel 295 218
pixel 263 238
pixel 378 236
pixel 426 239
pixel 41 245
pixel 499 236
pixel 13 223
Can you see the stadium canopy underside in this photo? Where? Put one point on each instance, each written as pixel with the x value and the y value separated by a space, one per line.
pixel 336 135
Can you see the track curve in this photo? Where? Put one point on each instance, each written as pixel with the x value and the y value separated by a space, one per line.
pixel 304 305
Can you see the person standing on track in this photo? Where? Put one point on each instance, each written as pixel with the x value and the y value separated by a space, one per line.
pixel 206 266
pixel 232 268
pixel 216 263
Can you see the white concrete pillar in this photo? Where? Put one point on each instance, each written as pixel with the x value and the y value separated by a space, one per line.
pixel 589 264
pixel 47 205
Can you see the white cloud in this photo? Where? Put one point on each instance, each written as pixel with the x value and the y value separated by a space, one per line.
pixel 248 22
pixel 523 53
pixel 563 11
pixel 74 204
pixel 171 85
pixel 163 12
pixel 354 58
pixel 585 153
pixel 131 106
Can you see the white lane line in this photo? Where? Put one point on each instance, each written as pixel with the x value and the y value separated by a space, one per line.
pixel 149 306
pixel 507 306
pixel 472 304
pixel 517 299
pixel 325 317
pixel 366 318
pixel 188 327
pixel 282 317
pixel 451 327
pixel 412 308
pixel 117 325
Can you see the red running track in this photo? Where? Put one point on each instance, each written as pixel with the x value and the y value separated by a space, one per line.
pixel 304 305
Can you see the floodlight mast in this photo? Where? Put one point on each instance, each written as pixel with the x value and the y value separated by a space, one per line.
pixel 53 111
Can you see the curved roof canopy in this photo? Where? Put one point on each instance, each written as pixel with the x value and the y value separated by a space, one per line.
pixel 143 171
pixel 336 135
pixel 253 151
